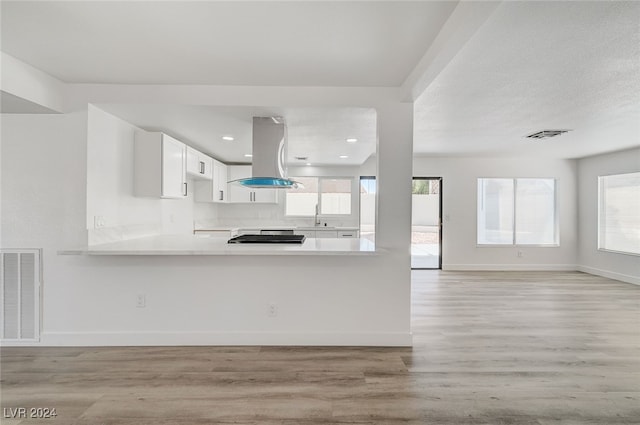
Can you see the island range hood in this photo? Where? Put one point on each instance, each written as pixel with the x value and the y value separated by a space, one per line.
pixel 269 156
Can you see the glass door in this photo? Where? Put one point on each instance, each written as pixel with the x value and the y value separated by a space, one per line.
pixel 426 223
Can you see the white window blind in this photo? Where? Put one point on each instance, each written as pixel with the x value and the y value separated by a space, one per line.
pixel 331 195
pixel 516 212
pixel 619 213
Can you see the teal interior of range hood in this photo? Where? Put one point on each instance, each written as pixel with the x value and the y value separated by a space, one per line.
pixel 268 183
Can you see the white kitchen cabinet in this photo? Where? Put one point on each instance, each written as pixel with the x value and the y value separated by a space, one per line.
pixel 241 194
pixel 347 233
pixel 221 188
pixel 199 165
pixel 306 233
pixel 326 233
pixel 214 190
pixel 159 166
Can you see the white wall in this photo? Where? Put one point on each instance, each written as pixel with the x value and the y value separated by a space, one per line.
pixel 459 186
pixel 44 201
pixel 590 259
pixel 110 142
pixel 90 300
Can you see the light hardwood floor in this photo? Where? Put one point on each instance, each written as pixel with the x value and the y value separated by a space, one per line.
pixel 489 348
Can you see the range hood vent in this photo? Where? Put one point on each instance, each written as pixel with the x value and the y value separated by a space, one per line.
pixel 269 155
pixel 544 134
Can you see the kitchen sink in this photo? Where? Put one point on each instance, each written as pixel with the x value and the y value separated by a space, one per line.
pixel 316 228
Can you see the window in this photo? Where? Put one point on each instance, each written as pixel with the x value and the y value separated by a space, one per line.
pixel 619 213
pixel 332 195
pixel 302 202
pixel 517 212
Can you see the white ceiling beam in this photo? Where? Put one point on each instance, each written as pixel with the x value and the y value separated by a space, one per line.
pixel 461 26
pixel 24 86
pixel 79 95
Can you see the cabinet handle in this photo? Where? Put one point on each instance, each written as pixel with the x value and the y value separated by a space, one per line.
pixel 221 195
pixel 185 188
pixel 201 167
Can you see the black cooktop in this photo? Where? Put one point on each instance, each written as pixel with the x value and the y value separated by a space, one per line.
pixel 268 239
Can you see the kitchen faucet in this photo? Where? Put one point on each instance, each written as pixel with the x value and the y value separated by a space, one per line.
pixel 317 220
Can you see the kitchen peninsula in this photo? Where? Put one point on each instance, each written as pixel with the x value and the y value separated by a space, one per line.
pixel 212 245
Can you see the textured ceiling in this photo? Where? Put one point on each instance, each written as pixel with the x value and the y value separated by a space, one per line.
pixel 531 66
pixel 536 66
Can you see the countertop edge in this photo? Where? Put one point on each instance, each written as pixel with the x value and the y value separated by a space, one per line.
pixel 168 245
pixel 182 253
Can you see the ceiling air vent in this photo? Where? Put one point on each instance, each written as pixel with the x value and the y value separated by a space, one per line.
pixel 544 134
pixel 302 158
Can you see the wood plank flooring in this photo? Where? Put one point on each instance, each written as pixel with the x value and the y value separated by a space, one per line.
pixel 534 348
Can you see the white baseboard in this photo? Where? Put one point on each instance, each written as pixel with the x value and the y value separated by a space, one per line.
pixel 97 339
pixel 510 267
pixel 609 274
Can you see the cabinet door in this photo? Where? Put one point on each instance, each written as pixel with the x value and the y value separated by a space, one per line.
pixel 308 233
pixel 347 233
pixel 326 234
pixel 205 167
pixel 193 161
pixel 199 165
pixel 174 178
pixel 220 191
pixel 266 196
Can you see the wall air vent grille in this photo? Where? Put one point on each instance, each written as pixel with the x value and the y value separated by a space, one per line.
pixel 20 295
pixel 544 134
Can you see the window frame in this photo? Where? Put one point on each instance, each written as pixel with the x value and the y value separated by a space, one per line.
pixel 599 216
pixel 351 179
pixel 556 215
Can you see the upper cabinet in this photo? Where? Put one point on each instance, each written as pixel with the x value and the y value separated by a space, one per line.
pixel 214 190
pixel 160 166
pixel 220 186
pixel 199 165
pixel 241 194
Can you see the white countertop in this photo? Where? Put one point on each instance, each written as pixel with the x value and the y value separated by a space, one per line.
pixel 203 245
pixel 272 227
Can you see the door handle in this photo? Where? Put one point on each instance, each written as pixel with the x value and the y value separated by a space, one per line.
pixel 185 188
pixel 221 195
pixel 201 167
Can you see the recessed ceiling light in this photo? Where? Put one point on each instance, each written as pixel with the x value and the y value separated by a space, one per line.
pixel 228 138
pixel 248 155
pixel 344 156
pixel 352 140
pixel 308 163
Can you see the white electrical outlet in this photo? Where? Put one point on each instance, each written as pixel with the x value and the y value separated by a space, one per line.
pixel 272 310
pixel 141 301
pixel 98 221
pixel 519 254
